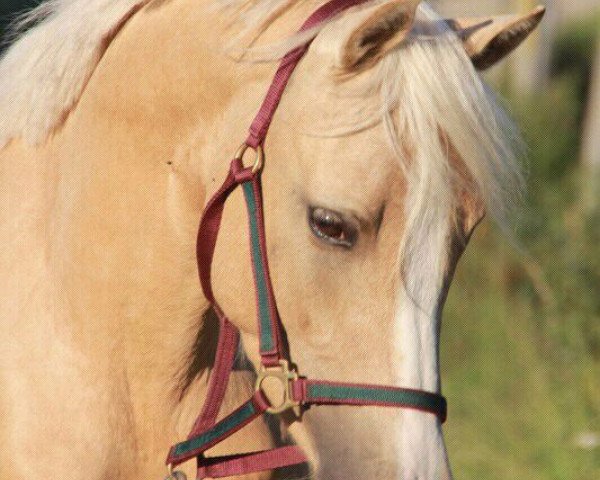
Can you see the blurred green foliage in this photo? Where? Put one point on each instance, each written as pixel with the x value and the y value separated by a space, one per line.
pixel 521 342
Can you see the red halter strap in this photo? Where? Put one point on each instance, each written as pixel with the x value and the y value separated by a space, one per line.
pixel 299 392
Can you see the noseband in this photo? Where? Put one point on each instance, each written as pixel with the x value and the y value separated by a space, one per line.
pixel 298 392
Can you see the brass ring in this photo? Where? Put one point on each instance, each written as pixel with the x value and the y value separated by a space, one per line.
pixel 285 374
pixel 258 161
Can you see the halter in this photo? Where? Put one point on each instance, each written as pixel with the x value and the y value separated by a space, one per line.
pixel 298 392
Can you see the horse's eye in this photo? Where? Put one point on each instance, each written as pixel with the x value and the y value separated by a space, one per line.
pixel 331 227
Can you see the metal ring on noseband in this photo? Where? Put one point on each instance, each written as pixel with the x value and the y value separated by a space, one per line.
pixel 284 374
pixel 259 161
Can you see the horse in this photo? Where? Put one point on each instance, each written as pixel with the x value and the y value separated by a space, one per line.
pixel 117 122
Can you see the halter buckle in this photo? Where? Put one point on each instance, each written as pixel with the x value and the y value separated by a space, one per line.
pixel 285 375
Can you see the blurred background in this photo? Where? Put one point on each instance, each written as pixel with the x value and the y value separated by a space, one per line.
pixel 521 337
pixel 521 340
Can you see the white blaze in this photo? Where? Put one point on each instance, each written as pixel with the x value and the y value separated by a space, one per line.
pixel 420 445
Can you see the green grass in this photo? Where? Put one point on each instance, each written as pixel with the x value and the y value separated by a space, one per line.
pixel 521 339
pixel 522 378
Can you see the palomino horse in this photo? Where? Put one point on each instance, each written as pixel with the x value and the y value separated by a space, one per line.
pixel 117 122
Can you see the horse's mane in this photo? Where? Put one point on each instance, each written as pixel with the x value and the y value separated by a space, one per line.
pixel 431 77
pixel 44 72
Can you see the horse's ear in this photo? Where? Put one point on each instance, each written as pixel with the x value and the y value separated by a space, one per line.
pixel 379 31
pixel 489 40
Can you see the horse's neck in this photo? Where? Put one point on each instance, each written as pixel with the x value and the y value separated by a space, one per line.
pixel 150 137
pixel 167 110
pixel 100 231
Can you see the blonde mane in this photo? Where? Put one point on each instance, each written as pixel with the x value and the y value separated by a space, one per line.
pixel 427 86
pixel 43 74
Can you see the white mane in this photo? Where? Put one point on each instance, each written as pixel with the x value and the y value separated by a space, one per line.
pixel 43 74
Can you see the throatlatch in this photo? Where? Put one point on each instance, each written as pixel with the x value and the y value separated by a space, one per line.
pixel 299 392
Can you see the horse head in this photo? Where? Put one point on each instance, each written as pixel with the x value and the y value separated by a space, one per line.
pixel 385 153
